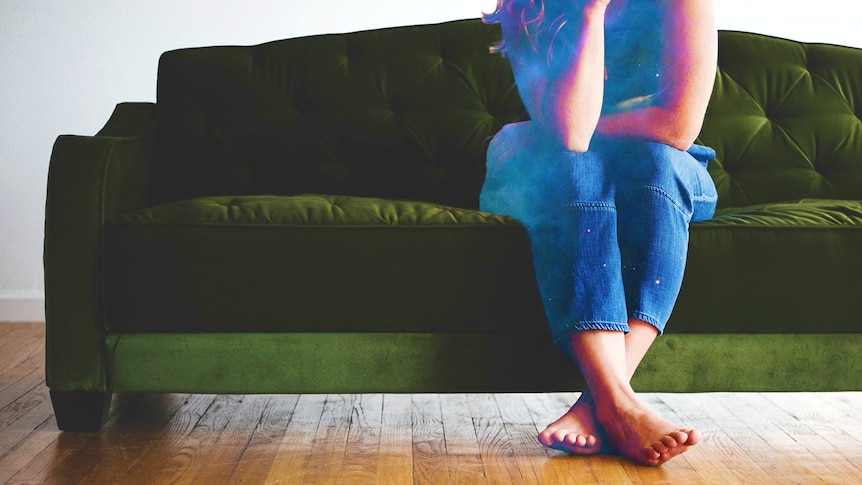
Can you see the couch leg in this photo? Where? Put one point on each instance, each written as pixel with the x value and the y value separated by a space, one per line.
pixel 80 410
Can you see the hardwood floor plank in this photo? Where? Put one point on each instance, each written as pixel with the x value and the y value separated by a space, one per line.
pixel 61 460
pixel 395 462
pixel 135 425
pixel 28 374
pixel 839 453
pixel 534 460
pixel 513 408
pixel 725 440
pixel 819 412
pixel 217 460
pixel 773 441
pixel 848 403
pixel 19 416
pixel 23 457
pixel 259 455
pixel 10 398
pixel 430 464
pixel 194 450
pixel 291 461
pixel 329 446
pixel 498 457
pixel 462 444
pixel 7 327
pixel 608 469
pixel 363 439
pixel 19 346
pixel 169 443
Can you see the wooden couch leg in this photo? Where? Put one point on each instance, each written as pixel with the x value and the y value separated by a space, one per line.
pixel 80 410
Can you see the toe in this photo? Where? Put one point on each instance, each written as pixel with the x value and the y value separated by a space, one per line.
pixel 693 437
pixel 575 440
pixel 672 440
pixel 584 441
pixel 560 436
pixel 546 438
pixel 649 456
pixel 682 438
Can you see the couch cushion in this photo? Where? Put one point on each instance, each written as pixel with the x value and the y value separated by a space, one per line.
pixel 784 119
pixel 317 263
pixel 310 210
pixel 805 213
pixel 393 113
pixel 773 268
pixel 402 113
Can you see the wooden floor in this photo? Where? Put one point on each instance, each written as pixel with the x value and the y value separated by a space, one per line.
pixel 422 438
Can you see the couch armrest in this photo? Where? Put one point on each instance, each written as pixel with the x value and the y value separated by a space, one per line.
pixel 90 179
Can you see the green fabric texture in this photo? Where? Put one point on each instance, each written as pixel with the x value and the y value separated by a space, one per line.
pixel 300 216
pixel 752 363
pixel 317 264
pixel 774 268
pixel 805 213
pixel 783 119
pixel 311 210
pixel 397 113
pixel 90 180
pixel 335 362
pixel 486 362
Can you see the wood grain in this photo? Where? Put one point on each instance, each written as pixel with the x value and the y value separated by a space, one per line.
pixel 395 459
pixel 402 438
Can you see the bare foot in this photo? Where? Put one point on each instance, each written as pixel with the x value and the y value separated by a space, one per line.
pixel 577 431
pixel 641 435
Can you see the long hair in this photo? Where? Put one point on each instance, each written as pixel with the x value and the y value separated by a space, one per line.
pixel 532 23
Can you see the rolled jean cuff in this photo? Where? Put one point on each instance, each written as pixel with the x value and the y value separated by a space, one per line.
pixel 650 320
pixel 563 336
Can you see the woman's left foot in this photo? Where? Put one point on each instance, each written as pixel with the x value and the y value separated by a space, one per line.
pixel 641 435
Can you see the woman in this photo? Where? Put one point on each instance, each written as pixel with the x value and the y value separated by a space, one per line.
pixel 606 179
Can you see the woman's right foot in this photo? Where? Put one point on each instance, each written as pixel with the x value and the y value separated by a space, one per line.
pixel 577 432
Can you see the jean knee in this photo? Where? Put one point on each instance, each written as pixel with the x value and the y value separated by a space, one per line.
pixel 531 178
pixel 657 170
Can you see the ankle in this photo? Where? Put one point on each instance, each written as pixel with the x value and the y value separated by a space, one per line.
pixel 611 404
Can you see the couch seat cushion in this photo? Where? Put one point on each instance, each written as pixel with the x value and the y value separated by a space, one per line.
pixel 310 210
pixel 317 263
pixel 774 268
pixel 805 213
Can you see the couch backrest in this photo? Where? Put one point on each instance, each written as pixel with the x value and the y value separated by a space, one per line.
pixel 400 112
pixel 403 113
pixel 784 120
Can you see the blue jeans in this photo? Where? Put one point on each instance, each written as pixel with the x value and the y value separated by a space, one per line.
pixel 608 228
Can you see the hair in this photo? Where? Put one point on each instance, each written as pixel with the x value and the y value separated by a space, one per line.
pixel 530 19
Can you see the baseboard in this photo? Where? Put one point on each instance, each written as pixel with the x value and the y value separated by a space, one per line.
pixel 22 306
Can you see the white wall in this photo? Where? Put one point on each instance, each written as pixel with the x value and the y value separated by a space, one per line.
pixel 64 64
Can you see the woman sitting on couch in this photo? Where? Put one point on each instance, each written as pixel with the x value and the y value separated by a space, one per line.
pixel 606 179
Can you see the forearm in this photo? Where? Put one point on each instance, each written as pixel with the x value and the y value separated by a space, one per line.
pixel 571 104
pixel 689 53
pixel 669 126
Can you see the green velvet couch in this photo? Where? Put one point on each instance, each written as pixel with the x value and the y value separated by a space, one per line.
pixel 301 217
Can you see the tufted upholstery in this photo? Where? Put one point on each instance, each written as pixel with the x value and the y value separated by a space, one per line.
pixel 397 113
pixel 402 113
pixel 784 120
